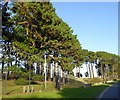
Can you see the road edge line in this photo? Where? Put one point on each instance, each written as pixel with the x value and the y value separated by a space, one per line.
pixel 99 97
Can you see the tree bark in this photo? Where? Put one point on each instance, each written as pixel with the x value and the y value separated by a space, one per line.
pixel 92 70
pixel 4 6
pixel 2 64
pixel 89 70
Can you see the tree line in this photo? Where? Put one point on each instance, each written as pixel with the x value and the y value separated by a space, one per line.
pixel 33 36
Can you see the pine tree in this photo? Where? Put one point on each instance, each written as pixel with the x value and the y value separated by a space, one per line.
pixel 39 28
pixel 6 37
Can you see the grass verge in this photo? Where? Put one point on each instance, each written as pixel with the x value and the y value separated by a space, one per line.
pixel 74 90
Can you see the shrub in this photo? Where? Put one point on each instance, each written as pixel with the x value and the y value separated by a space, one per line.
pixel 93 80
pixel 13 75
pixel 114 79
pixel 22 81
pixel 25 75
pixel 38 78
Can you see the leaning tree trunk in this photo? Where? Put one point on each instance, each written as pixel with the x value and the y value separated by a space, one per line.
pixel 89 71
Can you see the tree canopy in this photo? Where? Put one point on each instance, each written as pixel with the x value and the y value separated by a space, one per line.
pixel 31 29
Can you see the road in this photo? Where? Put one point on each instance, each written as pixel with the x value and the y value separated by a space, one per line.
pixel 111 93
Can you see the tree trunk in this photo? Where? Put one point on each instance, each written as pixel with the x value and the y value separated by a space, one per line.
pixel 113 72
pixel 4 6
pixel 89 71
pixel 103 74
pixel 8 63
pixel 29 78
pixel 86 67
pixel 92 71
pixel 2 65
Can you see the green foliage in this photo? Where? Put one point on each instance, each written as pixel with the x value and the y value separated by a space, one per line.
pixel 6 34
pixel 22 81
pixel 35 28
pixel 38 78
pixel 14 68
pixel 114 79
pixel 44 31
pixel 93 80
pixel 73 84
pixel 15 72
pixel 25 75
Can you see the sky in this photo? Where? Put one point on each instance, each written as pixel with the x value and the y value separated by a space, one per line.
pixel 94 23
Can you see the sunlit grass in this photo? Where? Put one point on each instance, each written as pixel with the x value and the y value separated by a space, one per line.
pixel 69 91
pixel 82 92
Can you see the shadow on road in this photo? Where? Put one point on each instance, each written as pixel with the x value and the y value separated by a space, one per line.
pixel 81 91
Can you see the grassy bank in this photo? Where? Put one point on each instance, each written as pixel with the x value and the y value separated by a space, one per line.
pixel 74 89
pixel 88 92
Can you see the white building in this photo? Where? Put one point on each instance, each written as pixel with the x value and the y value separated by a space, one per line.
pixel 86 70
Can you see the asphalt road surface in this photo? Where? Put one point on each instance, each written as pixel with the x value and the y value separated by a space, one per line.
pixel 111 93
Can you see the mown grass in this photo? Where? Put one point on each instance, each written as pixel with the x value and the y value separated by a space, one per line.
pixel 73 89
pixel 10 88
pixel 82 92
